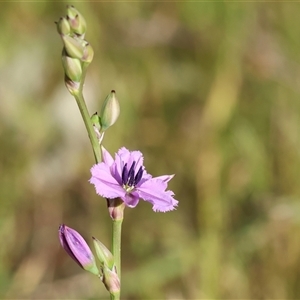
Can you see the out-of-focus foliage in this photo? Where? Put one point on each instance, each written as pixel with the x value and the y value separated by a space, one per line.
pixel 208 91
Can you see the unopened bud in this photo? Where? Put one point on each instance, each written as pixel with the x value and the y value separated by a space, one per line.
pixel 96 120
pixel 74 47
pixel 72 86
pixel 76 20
pixel 77 248
pixel 88 54
pixel 110 111
pixel 97 127
pixel 115 206
pixel 111 281
pixel 72 67
pixel 104 255
pixel 63 26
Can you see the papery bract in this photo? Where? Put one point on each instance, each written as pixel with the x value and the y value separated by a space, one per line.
pixel 125 177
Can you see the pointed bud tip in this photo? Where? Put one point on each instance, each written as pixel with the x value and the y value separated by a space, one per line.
pixel 77 248
pixel 110 111
pixel 104 255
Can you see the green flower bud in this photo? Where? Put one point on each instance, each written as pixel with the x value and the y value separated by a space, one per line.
pixel 76 20
pixel 110 111
pixel 88 54
pixel 72 86
pixel 63 26
pixel 96 120
pixel 104 255
pixel 72 67
pixel 74 47
pixel 97 127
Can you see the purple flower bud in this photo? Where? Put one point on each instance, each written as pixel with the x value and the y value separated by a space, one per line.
pixel 77 248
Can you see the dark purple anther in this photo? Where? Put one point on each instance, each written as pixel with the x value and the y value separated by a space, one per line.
pixel 131 175
pixel 138 176
pixel 125 174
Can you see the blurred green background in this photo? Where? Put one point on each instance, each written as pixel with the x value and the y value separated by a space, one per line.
pixel 209 91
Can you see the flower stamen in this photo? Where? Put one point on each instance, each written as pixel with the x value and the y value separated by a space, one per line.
pixel 138 176
pixel 124 175
pixel 130 181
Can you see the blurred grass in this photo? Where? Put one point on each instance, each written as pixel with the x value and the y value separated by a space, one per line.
pixel 208 91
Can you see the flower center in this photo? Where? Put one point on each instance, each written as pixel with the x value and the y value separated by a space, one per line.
pixel 129 178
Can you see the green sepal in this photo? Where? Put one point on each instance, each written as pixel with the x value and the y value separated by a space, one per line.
pixel 92 268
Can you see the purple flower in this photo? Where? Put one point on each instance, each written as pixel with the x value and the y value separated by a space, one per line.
pixel 77 248
pixel 126 178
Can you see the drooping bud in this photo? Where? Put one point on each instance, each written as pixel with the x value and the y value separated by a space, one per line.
pixel 72 67
pixel 76 20
pixel 104 255
pixel 74 47
pixel 77 248
pixel 63 26
pixel 110 111
pixel 111 280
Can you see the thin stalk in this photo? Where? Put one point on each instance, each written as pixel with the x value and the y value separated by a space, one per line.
pixel 86 118
pixel 116 244
pixel 115 296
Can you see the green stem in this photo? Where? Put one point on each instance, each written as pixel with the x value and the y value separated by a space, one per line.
pixel 116 244
pixel 87 120
pixel 115 296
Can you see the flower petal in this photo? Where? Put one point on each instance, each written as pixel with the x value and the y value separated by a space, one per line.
pixel 131 199
pixel 125 156
pixel 107 158
pixel 154 192
pixel 105 184
pixel 165 178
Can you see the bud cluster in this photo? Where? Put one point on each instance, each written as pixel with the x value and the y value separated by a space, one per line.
pixel 80 252
pixel 77 52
